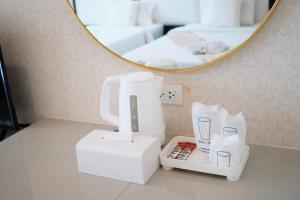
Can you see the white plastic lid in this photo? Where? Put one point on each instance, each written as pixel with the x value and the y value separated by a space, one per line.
pixel 137 76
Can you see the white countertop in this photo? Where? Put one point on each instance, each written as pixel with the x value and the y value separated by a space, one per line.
pixel 39 163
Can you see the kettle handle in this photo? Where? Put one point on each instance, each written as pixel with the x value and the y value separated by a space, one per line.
pixel 105 99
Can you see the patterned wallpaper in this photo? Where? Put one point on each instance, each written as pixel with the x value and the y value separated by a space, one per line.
pixel 57 71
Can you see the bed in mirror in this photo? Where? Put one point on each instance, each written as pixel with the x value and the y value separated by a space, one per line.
pixel 174 35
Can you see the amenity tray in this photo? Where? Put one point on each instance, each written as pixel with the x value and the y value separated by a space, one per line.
pixel 193 163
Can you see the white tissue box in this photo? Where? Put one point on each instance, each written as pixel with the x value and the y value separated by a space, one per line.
pixel 103 153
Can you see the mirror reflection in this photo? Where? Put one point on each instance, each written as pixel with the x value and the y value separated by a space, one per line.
pixel 171 34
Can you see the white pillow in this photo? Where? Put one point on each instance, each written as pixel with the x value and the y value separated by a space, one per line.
pixel 248 12
pixel 145 13
pixel 204 4
pixel 224 13
pixel 121 13
pixel 175 12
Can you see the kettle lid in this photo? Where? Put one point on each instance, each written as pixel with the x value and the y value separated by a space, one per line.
pixel 138 76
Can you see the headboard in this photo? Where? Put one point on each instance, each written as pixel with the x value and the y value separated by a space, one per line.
pixel 179 12
pixel 176 12
pixel 168 12
pixel 173 12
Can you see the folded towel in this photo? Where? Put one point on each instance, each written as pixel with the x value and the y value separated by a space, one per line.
pixel 211 48
pixel 186 39
pixel 197 45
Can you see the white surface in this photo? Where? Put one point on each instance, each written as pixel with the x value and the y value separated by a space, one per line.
pixel 121 39
pixel 248 12
pixel 133 162
pixel 149 117
pixel 225 13
pixel 121 13
pixel 193 162
pixel 39 163
pixel 164 47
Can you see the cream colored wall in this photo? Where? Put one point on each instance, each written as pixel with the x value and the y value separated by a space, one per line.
pixel 56 70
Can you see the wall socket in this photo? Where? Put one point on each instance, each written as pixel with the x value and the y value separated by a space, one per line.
pixel 171 94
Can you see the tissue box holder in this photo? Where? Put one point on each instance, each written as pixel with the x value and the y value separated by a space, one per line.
pixel 133 162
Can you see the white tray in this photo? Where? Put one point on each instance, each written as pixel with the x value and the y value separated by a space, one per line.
pixel 194 164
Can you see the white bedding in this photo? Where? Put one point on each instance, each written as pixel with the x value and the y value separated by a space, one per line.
pixel 164 47
pixel 123 39
pixel 231 36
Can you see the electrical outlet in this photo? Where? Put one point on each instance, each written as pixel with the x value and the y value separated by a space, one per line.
pixel 171 94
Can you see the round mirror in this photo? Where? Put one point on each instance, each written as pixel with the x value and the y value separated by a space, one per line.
pixel 172 35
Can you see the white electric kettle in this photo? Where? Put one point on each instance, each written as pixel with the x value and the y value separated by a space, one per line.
pixel 140 110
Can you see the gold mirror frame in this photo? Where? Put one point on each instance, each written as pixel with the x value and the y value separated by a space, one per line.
pixel 228 53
